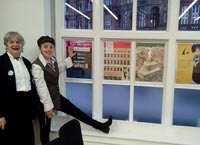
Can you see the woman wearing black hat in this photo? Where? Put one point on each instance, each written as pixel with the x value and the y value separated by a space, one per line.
pixel 45 72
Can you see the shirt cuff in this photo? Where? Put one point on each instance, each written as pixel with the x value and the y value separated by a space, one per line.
pixel 68 62
pixel 48 107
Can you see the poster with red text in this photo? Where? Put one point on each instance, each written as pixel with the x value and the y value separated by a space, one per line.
pixel 82 61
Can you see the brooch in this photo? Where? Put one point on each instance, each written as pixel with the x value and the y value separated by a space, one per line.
pixel 10 72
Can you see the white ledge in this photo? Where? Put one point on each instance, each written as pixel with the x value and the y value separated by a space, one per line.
pixel 125 131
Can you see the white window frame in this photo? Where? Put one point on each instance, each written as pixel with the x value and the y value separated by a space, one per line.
pixel 129 130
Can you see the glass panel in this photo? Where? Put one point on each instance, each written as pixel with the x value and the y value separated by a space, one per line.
pixel 189 15
pixel 118 14
pixel 148 104
pixel 81 97
pixel 82 61
pixel 117 60
pixel 186 107
pixel 78 14
pixel 152 14
pixel 149 62
pixel 116 101
pixel 188 63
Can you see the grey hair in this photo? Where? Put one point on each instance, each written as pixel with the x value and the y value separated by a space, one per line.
pixel 11 35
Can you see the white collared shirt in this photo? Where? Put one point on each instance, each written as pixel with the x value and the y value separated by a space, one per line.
pixel 22 76
pixel 40 82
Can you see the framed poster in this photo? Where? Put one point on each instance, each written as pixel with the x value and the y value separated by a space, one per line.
pixel 82 61
pixel 117 60
pixel 188 63
pixel 149 62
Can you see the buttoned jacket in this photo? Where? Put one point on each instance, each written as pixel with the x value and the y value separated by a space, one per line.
pixel 8 85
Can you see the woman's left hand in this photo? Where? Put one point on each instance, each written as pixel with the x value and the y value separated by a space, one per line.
pixel 70 52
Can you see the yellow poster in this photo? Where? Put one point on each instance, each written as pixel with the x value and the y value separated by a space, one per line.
pixel 185 63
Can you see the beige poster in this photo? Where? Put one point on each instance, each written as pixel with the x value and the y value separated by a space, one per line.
pixel 149 62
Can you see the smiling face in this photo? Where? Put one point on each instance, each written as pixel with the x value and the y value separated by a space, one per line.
pixel 47 50
pixel 14 46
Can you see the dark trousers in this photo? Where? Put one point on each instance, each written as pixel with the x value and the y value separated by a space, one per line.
pixel 67 107
pixel 19 127
pixel 23 134
pixel 45 125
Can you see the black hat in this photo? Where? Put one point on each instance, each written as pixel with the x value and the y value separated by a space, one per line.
pixel 44 39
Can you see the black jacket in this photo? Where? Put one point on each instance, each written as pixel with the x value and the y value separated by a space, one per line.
pixel 8 86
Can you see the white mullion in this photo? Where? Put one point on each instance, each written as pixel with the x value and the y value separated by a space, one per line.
pixel 96 63
pixel 97 86
pixel 59 12
pixel 134 15
pixel 132 79
pixel 168 93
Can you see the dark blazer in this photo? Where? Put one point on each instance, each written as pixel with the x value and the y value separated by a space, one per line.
pixel 196 73
pixel 8 86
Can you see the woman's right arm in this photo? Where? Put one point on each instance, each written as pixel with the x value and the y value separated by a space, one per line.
pixel 41 87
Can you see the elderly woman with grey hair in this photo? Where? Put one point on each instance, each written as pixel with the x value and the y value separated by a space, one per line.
pixel 17 95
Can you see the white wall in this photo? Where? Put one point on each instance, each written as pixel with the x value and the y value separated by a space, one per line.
pixel 26 17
